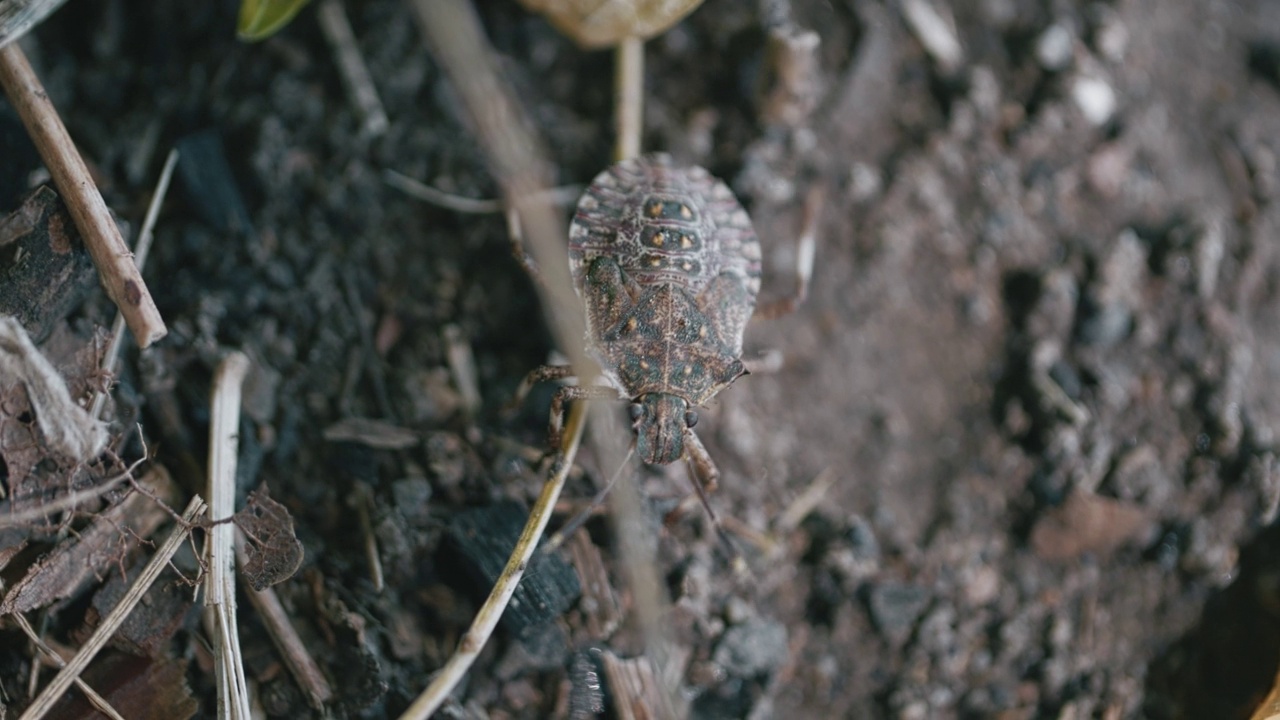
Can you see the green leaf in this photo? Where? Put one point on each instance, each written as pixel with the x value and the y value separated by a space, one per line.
pixel 260 19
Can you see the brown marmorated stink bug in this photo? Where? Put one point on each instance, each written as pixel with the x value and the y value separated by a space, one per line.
pixel 668 264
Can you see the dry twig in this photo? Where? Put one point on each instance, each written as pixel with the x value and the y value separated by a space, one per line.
pixel 115 265
pixel 140 252
pixel 56 687
pixel 286 639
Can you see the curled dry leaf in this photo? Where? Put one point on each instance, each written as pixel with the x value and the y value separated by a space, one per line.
pixel 601 23
pixel 272 552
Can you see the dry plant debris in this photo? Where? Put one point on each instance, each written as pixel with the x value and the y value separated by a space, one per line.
pixel 44 267
pixel 32 384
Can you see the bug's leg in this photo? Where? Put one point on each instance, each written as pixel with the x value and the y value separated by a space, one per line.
pixel 522 256
pixel 704 468
pixel 542 373
pixel 805 248
pixel 563 395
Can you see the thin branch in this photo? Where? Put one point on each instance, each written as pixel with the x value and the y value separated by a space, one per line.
pixel 112 354
pixel 56 687
pixel 110 255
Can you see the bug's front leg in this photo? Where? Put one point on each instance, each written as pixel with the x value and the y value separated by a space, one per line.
pixel 542 373
pixel 563 395
pixel 706 473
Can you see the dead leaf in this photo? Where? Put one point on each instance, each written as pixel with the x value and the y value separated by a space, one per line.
pixel 272 551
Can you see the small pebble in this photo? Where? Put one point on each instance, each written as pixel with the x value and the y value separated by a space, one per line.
pixel 1053 48
pixel 1095 98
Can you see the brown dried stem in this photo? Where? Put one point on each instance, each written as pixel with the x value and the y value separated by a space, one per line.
pixel 115 264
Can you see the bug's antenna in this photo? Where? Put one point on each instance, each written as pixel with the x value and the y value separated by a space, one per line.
pixel 568 529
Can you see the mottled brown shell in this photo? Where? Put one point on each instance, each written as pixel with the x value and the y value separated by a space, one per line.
pixel 601 23
pixel 668 265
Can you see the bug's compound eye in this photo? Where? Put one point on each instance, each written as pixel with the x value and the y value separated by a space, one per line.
pixel 635 411
pixel 690 418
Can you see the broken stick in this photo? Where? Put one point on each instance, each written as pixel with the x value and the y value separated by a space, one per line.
pixel 115 264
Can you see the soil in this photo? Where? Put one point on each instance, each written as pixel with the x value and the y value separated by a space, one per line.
pixel 1039 364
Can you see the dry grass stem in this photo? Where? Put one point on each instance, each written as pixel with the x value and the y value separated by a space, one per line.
pixel 115 265
pixel 140 251
pixel 362 498
pixel 56 687
pixel 462 365
pixel 805 502
pixel 355 74
pixel 487 618
pixel 418 190
pixel 220 582
pixel 97 700
pixel 287 641
pixel 67 428
pixel 628 97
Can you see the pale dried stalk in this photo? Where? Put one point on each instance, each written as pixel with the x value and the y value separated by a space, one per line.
pixel 487 618
pixel 355 74
pixel 628 97
pixel 97 700
pixel 140 252
pixel 220 580
pixel 287 641
pixel 119 275
pixel 56 687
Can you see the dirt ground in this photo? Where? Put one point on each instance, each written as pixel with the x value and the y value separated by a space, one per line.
pixel 1039 365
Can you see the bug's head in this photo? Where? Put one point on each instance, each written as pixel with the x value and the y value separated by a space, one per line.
pixel 660 421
